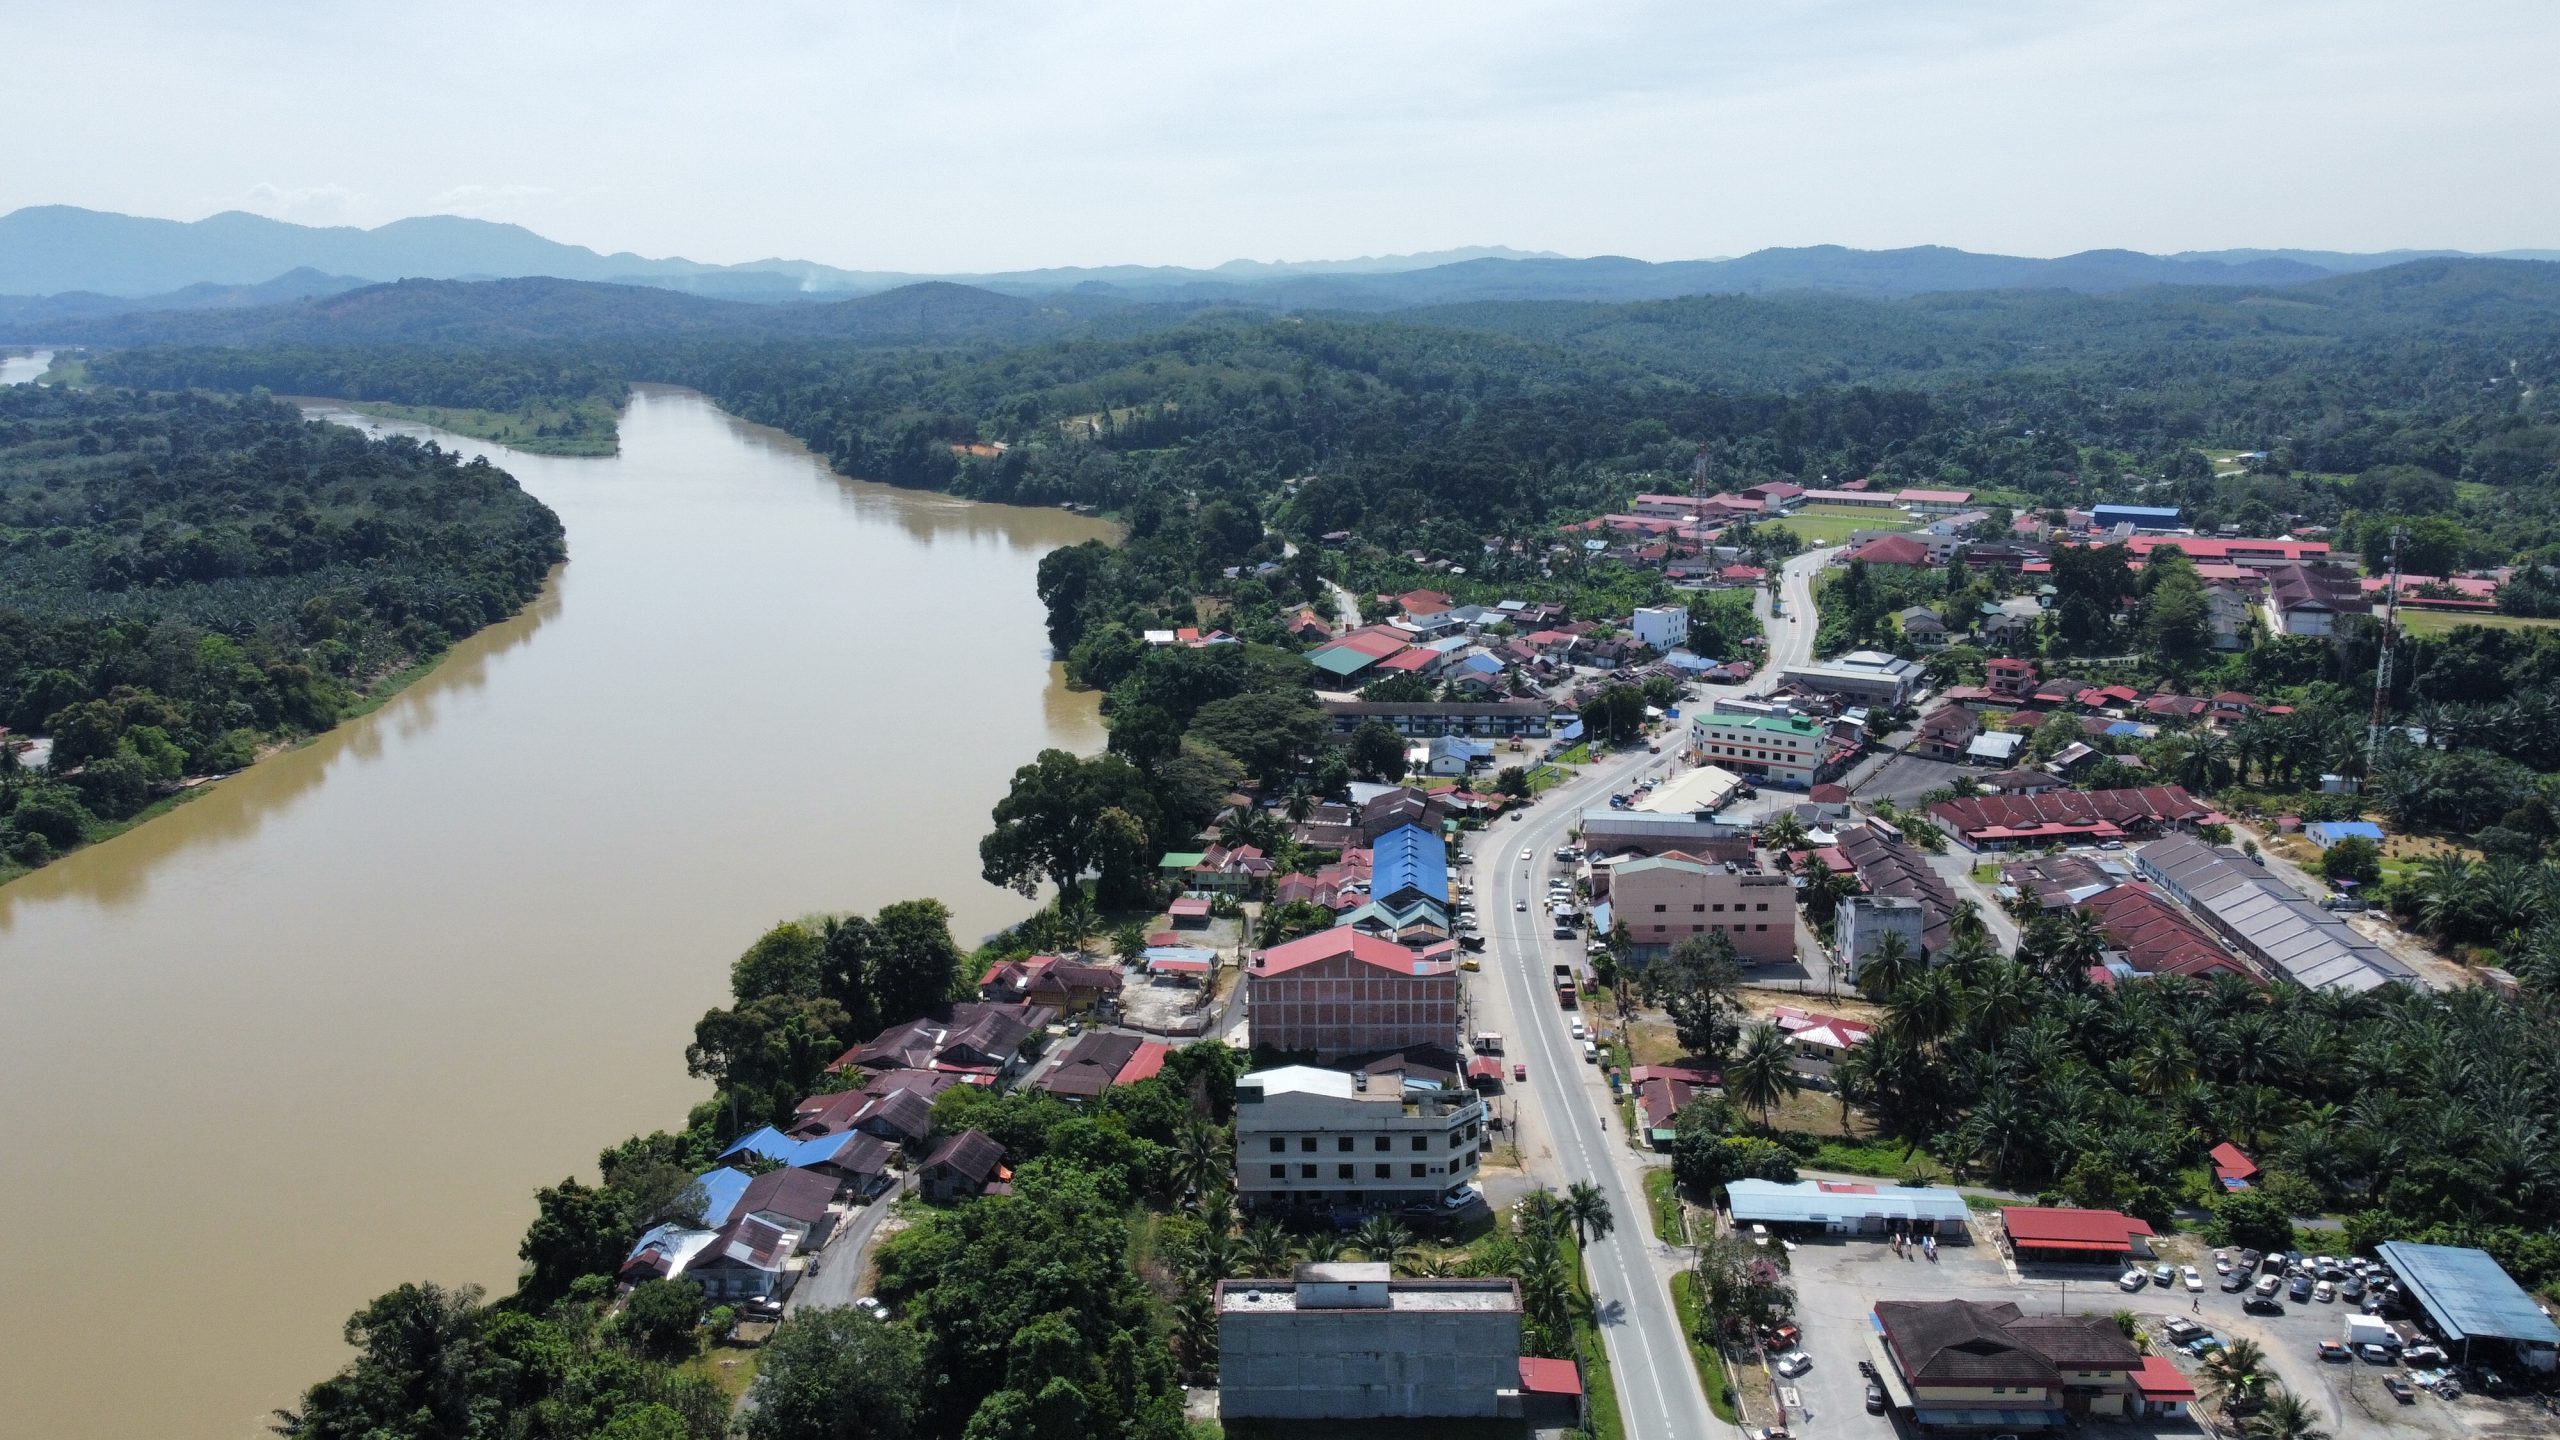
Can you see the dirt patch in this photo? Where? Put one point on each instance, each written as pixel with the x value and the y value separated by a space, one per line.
pixel 1846 1005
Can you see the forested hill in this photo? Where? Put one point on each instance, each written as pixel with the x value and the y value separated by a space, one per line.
pixel 502 312
pixel 183 578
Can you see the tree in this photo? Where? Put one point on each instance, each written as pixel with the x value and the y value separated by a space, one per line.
pixel 2354 859
pixel 1376 752
pixel 422 1368
pixel 1588 1208
pixel 2286 1416
pixel 2236 1375
pixel 1382 1240
pixel 1512 781
pixel 1272 732
pixel 1698 984
pixel 661 1317
pixel 1763 1071
pixel 577 1230
pixel 1050 824
pixel 785 960
pixel 1616 713
pixel 2252 1218
pixel 837 1374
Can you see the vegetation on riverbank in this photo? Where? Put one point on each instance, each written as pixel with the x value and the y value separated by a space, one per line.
pixel 191 579
pixel 538 427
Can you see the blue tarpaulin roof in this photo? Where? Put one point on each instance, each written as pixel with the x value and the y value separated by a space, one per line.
pixel 2124 727
pixel 765 1141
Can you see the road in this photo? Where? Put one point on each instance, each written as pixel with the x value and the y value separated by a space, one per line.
pixel 1790 635
pixel 841 1263
pixel 1658 1388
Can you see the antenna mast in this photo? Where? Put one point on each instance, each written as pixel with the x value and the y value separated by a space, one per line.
pixel 2382 666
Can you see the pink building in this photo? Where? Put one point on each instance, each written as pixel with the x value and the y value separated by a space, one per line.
pixel 1340 992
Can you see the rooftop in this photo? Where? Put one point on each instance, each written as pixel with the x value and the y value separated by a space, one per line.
pixel 1280 1297
pixel 2467 1293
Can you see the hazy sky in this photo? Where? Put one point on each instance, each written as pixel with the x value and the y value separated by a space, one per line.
pixel 956 136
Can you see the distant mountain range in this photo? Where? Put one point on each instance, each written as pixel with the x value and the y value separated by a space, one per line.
pixel 65 271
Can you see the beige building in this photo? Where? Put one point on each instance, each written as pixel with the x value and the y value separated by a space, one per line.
pixel 1665 899
pixel 1322 1139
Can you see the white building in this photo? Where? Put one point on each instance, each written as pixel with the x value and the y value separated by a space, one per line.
pixel 1861 675
pixel 1308 1138
pixel 1864 920
pixel 1663 627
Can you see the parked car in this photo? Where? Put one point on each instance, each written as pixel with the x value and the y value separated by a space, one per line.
pixel 2221 1262
pixel 2400 1389
pixel 2194 1282
pixel 2353 1290
pixel 2375 1354
pixel 1519 1070
pixel 2299 1288
pixel 2234 1282
pixel 2132 1280
pixel 2324 1292
pixel 871 1305
pixel 1875 1398
pixel 2263 1305
pixel 2332 1350
pixel 2181 1329
pixel 2163 1275
pixel 2203 1345
pixel 1794 1363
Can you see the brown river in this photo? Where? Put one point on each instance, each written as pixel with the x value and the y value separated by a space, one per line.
pixel 325 1028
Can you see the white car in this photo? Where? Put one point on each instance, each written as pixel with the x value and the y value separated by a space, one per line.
pixel 1794 1363
pixel 2132 1279
pixel 2221 1262
pixel 1577 1029
pixel 1520 904
pixel 1524 854
pixel 2193 1281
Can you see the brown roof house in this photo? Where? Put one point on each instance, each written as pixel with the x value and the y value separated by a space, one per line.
pixel 1967 1365
pixel 962 1165
pixel 978 1037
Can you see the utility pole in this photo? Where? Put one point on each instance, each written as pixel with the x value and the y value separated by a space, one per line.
pixel 2382 666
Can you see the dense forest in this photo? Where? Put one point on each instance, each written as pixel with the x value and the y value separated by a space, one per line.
pixel 184 578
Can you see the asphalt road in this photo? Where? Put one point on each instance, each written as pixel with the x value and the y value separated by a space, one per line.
pixel 1658 1390
pixel 1790 636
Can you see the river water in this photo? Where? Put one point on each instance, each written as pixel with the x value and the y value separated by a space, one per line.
pixel 17 367
pixel 325 1028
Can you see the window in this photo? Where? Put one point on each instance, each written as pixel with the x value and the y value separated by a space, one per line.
pixel 1343 1143
pixel 1701 909
pixel 1279 1172
pixel 1763 905
pixel 1385 1144
pixel 1306 1142
pixel 1342 1172
pixel 1384 1171
pixel 1306 1172
pixel 1719 907
pixel 1421 1170
pixel 1421 1142
pixel 1759 927
pixel 1658 909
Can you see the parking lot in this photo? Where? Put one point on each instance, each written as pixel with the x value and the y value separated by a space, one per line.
pixel 1838 1282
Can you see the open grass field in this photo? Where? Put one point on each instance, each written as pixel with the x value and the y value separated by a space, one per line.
pixel 1829 524
pixel 2437 622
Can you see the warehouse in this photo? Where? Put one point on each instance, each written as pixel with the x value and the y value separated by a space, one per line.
pixel 2467 1296
pixel 1838 1207
pixel 2265 919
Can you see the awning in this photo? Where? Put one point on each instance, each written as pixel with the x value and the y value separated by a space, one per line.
pixel 1886 1374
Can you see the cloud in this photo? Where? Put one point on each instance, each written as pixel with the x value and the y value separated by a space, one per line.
pixel 304 202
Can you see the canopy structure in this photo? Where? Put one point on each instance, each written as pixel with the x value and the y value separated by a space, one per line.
pixel 2468 1295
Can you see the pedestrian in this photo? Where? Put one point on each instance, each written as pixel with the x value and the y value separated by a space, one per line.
pixel 2196 1305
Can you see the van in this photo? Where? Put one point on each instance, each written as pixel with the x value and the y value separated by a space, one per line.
pixel 1590 1053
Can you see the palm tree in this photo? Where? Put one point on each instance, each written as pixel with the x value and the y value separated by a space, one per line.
pixel 1763 1071
pixel 1928 1007
pixel 1784 832
pixel 1588 1208
pixel 2287 1416
pixel 2237 1375
pixel 1382 1240
pixel 1883 969
pixel 1323 1246
pixel 1263 1249
pixel 1200 1157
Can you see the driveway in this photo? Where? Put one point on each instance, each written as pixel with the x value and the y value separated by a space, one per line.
pixel 841 1264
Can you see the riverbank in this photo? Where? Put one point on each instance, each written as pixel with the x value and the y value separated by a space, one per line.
pixel 582 428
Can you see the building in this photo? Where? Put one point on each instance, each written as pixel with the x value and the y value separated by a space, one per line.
pixel 1868 675
pixel 2312 599
pixel 2469 1298
pixel 746 1259
pixel 2154 519
pixel 1923 626
pixel 962 1165
pixel 1981 1366
pixel 1340 992
pixel 1795 751
pixel 2048 1234
pixel 1891 550
pixel 1662 627
pixel 1090 1066
pixel 981 1037
pixel 1057 981
pixel 1409 863
pixel 1862 922
pixel 1841 1207
pixel 2325 833
pixel 1609 831
pixel 1944 733
pixel 1483 720
pixel 1936 502
pixel 1702 791
pixel 2004 822
pixel 1891 867
pixel 1662 1092
pixel 2009 679
pixel 2156 938
pixel 1665 899
pixel 1348 1341
pixel 2265 919
pixel 1311 1139
pixel 2232 1169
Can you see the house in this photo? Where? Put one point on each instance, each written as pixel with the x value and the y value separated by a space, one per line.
pixel 1326 1141
pixel 1447 755
pixel 1819 1038
pixel 2232 1170
pixel 1662 1092
pixel 2004 822
pixel 1944 732
pixel 1890 550
pixel 2325 833
pixel 1998 747
pixel 899 1114
pixel 1923 627
pixel 2023 782
pixel 2054 1234
pixel 1341 992
pixel 961 1166
pixel 975 1037
pixel 1971 1365
pixel 2228 613
pixel 2311 599
pixel 1423 603
pixel 792 1199
pixel 746 1259
pixel 1088 1067
pixel 855 1164
pixel 1307 626
pixel 1349 1341
pixel 2155 938
pixel 1665 899
pixel 2009 679
pixel 1066 985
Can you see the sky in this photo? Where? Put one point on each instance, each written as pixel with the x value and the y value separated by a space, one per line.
pixel 955 136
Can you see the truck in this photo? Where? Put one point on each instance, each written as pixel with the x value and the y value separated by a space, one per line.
pixel 2371 1330
pixel 1566 994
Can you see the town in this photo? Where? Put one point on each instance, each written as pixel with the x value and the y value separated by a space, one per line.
pixel 1779 882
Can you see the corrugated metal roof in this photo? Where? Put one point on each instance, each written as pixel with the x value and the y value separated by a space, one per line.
pixel 1410 858
pixel 1809 1202
pixel 2467 1293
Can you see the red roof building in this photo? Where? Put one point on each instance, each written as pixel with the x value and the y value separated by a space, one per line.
pixel 1550 1377
pixel 2231 1169
pixel 2156 937
pixel 2001 821
pixel 2037 1232
pixel 1340 992
pixel 1891 550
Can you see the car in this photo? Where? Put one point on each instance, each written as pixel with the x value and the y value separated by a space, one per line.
pixel 1772 1432
pixel 2400 1389
pixel 870 1305
pixel 2300 1288
pixel 1794 1363
pixel 1459 1199
pixel 1519 1071
pixel 2132 1280
pixel 2163 1275
pixel 2332 1350
pixel 2263 1305
pixel 2353 1291
pixel 2375 1354
pixel 2324 1292
pixel 1520 904
pixel 1577 1029
pixel 2203 1345
pixel 2221 1263
pixel 2194 1282
pixel 2248 1259
pixel 2234 1282
pixel 2181 1329
pixel 1525 854
pixel 1875 1398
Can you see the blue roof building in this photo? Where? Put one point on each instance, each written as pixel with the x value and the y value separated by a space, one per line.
pixel 1409 863
pixel 2140 517
pixel 2325 833
pixel 764 1142
pixel 720 1191
pixel 2469 1296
